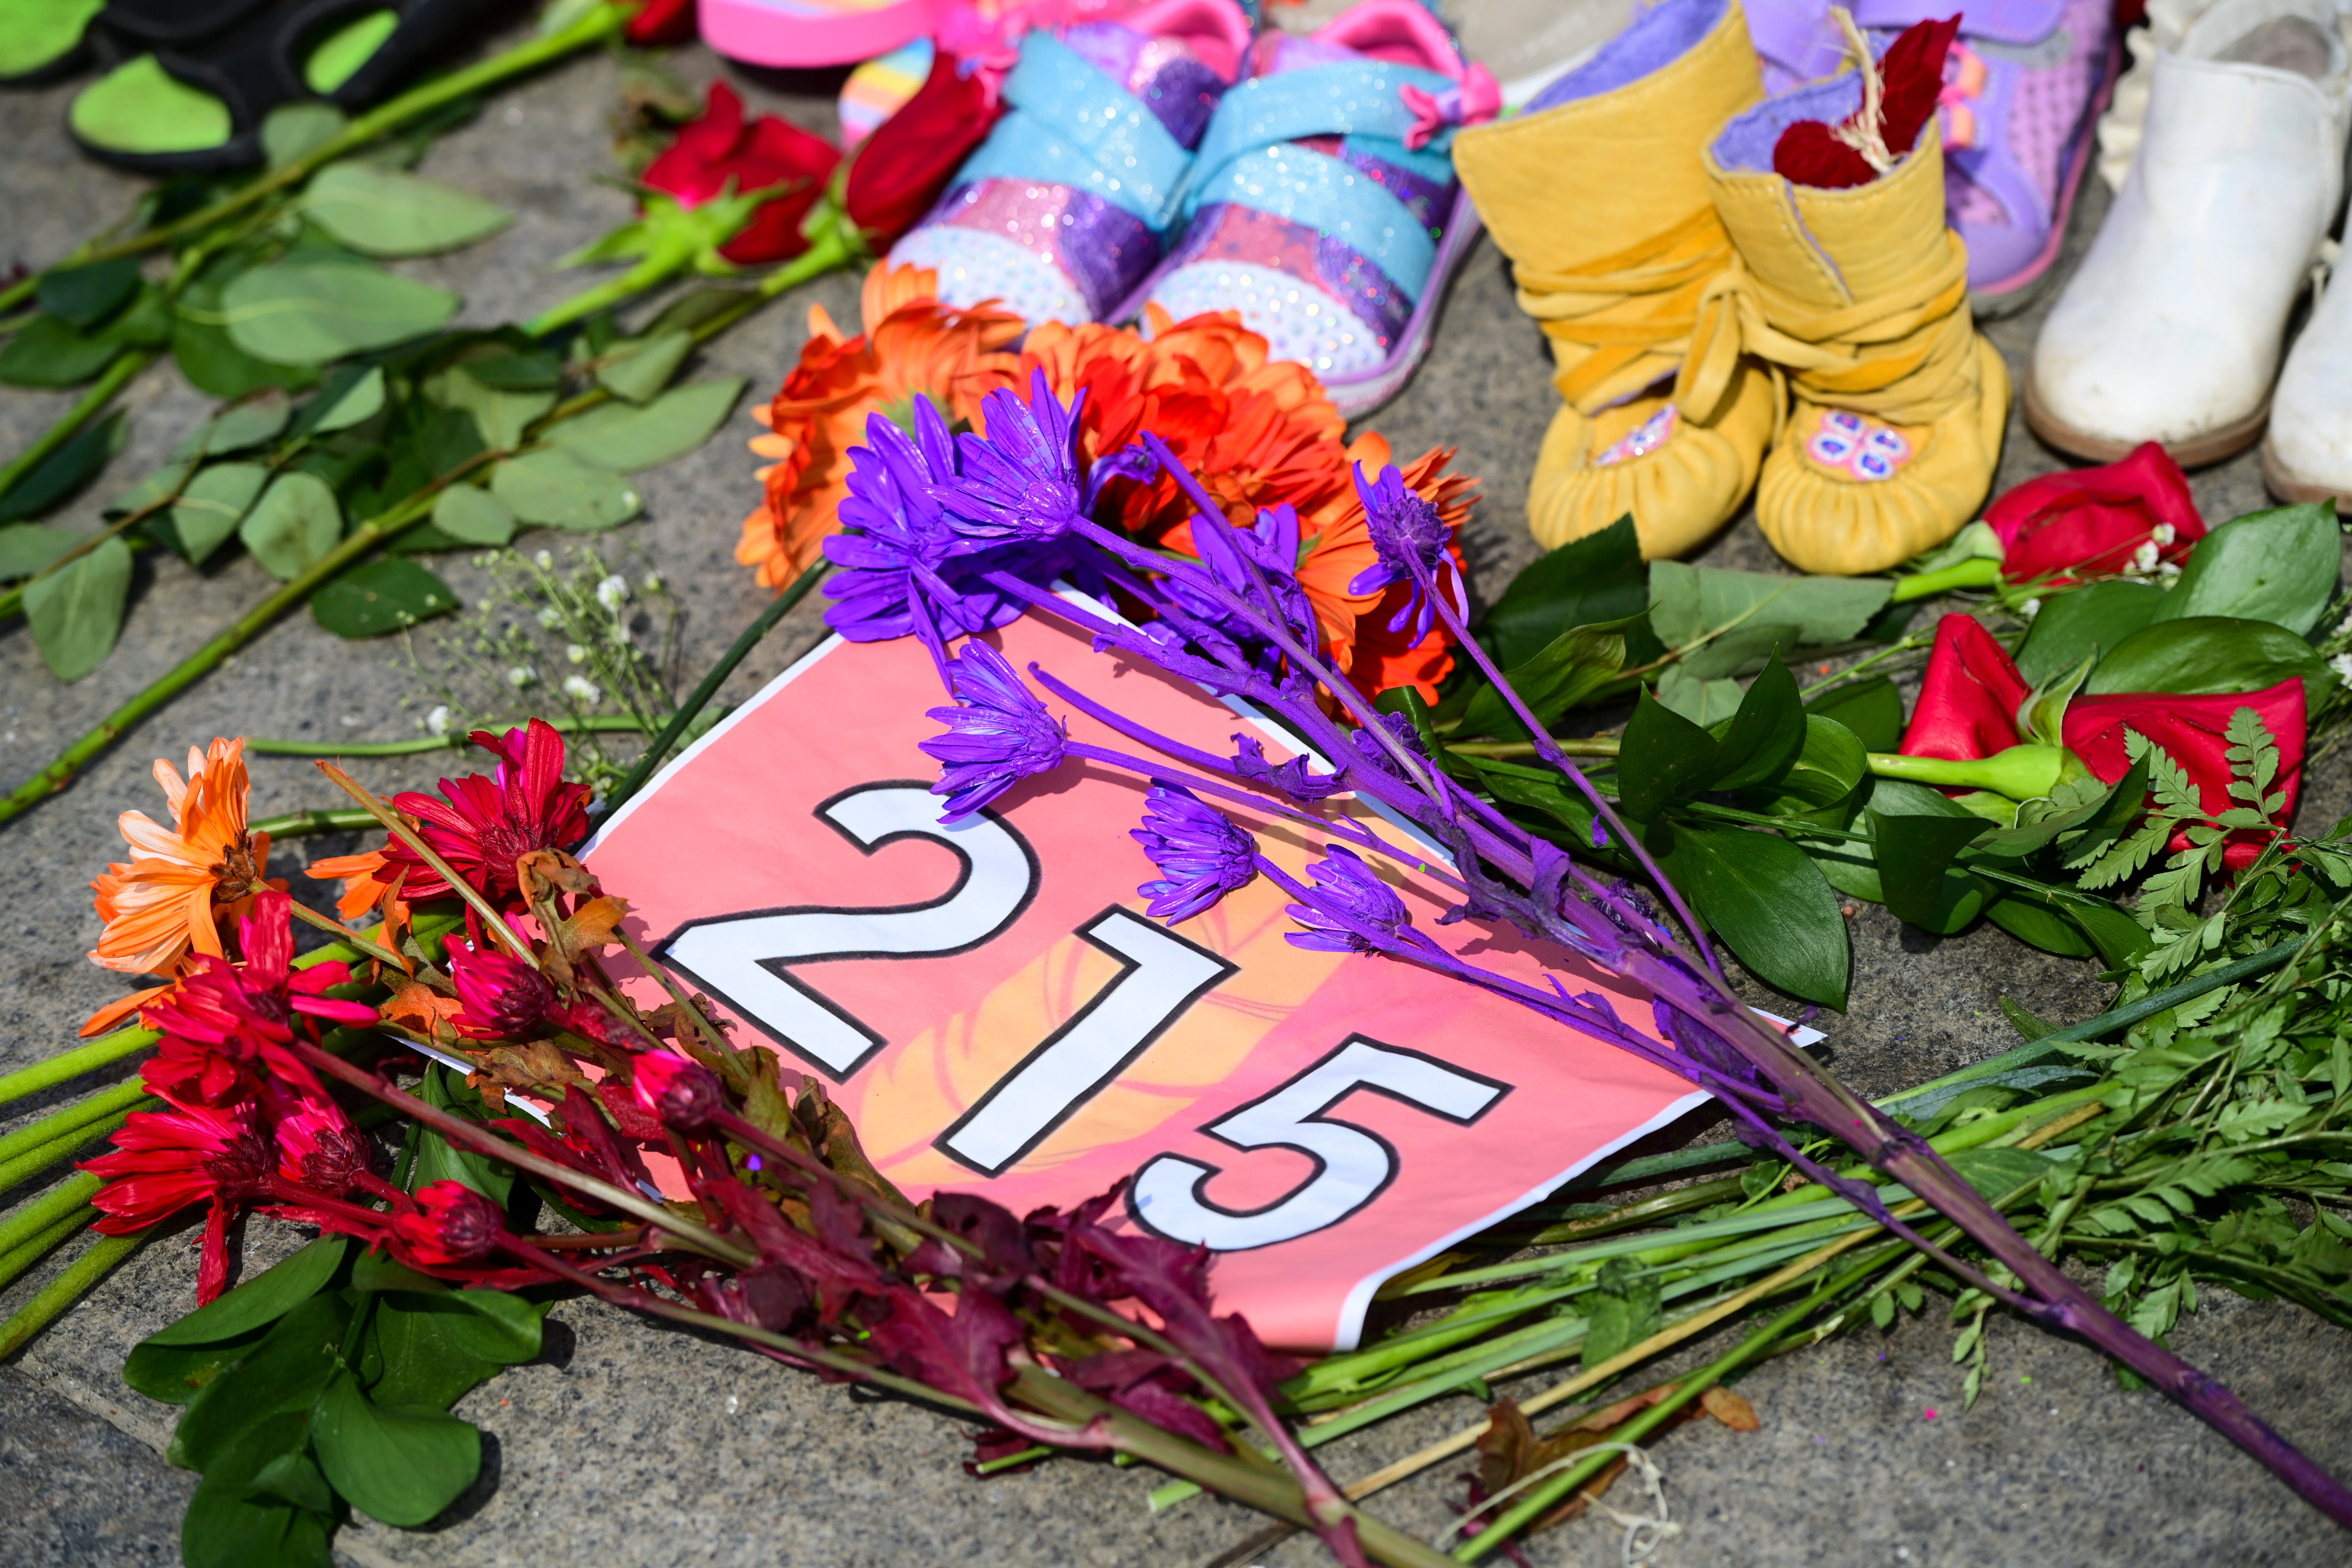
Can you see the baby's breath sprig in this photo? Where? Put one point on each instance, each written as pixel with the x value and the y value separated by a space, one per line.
pixel 576 637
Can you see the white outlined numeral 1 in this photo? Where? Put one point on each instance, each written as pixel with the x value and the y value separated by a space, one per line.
pixel 1161 975
pixel 741 959
pixel 1352 1167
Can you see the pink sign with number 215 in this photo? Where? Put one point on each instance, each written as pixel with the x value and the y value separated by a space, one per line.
pixel 992 1008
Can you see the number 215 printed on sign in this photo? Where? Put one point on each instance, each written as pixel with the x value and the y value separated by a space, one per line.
pixel 992 1006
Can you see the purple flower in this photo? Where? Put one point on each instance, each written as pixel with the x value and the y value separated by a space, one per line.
pixel 1271 543
pixel 1203 854
pixel 1019 481
pixel 1346 890
pixel 1291 778
pixel 1373 754
pixel 998 734
pixel 904 555
pixel 1407 531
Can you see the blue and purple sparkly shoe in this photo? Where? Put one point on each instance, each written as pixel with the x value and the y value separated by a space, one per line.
pixel 1322 205
pixel 1064 209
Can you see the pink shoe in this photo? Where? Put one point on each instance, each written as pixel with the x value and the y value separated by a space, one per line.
pixel 813 32
pixel 1063 209
pixel 1323 206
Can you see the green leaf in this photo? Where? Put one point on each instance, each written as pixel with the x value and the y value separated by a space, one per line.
pixel 52 351
pixel 554 487
pixel 307 314
pixel 436 1347
pixel 439 1160
pixel 206 356
pixel 1570 668
pixel 383 212
pixel 1767 901
pixel 1593 581
pixel 2121 940
pixel 1700 701
pixel 292 131
pixel 1915 834
pixel 2106 814
pixel 1823 776
pixel 472 516
pixel 1870 708
pixel 529 370
pixel 1663 756
pixel 1765 736
pixel 213 504
pixel 353 393
pixel 85 296
pixel 262 1300
pixel 294 524
pixel 619 436
pixel 381 596
pixel 500 416
pixel 2278 565
pixel 2213 654
pixel 1742 650
pixel 283 1374
pixel 176 1374
pixel 238 1517
pixel 28 547
pixel 55 478
pixel 2038 925
pixel 1691 600
pixel 2081 621
pixel 1621 1311
pixel 235 428
pixel 400 1464
pixel 75 612
pixel 635 369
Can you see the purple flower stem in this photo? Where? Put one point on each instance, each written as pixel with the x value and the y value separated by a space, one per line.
pixel 1559 758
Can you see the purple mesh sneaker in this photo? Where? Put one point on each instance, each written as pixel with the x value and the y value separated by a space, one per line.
pixel 2023 90
pixel 1062 210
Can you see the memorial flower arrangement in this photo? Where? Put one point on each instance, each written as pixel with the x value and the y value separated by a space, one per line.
pixel 482 1094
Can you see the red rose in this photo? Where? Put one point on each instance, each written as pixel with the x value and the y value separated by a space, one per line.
pixel 720 147
pixel 1968 704
pixel 1968 709
pixel 661 22
pixel 2094 520
pixel 900 171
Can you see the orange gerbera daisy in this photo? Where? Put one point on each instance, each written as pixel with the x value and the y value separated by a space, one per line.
pixel 913 346
pixel 169 899
pixel 1255 431
pixel 1336 548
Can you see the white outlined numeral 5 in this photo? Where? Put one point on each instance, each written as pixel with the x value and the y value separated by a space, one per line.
pixel 1352 1167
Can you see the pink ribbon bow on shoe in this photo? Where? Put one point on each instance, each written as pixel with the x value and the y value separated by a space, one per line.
pixel 1476 100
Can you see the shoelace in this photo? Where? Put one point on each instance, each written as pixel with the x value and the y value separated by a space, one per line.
pixel 1899 357
pixel 1635 311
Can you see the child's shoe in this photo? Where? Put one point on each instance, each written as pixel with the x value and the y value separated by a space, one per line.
pixel 2023 87
pixel 1859 295
pixel 1323 207
pixel 1599 193
pixel 1062 210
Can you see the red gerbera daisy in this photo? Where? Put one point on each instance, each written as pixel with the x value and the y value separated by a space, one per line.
pixel 164 1161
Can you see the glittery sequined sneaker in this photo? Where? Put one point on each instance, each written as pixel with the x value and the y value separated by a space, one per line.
pixel 1062 210
pixel 1323 206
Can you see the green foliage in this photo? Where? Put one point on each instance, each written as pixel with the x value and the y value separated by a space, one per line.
pixel 2278 566
pixel 307 311
pixel 637 369
pixel 381 596
pixel 2212 654
pixel 76 611
pixel 55 478
pixel 1594 581
pixel 557 488
pixel 2094 618
pixel 627 438
pixel 383 212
